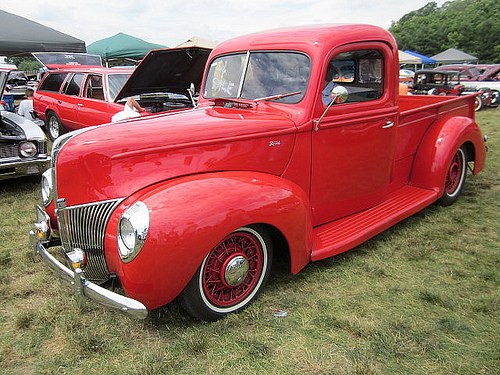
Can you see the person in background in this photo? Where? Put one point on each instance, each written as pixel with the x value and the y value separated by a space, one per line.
pixel 132 109
pixel 26 106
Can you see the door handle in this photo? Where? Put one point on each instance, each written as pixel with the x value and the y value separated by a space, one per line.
pixel 80 105
pixel 388 124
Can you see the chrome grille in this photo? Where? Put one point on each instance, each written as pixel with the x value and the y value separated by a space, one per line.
pixel 83 227
pixel 9 150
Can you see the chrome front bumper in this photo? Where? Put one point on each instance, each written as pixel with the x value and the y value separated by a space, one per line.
pixel 84 288
pixel 21 168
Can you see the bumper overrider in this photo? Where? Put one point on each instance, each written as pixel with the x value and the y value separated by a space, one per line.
pixel 81 286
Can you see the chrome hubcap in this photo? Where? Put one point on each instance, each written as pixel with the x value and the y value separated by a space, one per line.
pixel 236 270
pixel 54 128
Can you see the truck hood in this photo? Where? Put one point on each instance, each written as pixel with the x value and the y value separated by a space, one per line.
pixel 115 160
pixel 167 71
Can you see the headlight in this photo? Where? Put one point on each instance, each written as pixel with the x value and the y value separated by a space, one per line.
pixel 27 149
pixel 47 187
pixel 132 231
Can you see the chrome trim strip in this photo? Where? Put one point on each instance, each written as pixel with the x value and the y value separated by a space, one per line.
pixel 84 288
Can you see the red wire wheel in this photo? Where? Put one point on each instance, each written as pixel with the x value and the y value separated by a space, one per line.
pixel 231 275
pixel 454 174
pixel 233 269
pixel 455 177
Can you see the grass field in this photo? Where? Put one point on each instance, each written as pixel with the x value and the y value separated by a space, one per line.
pixel 421 298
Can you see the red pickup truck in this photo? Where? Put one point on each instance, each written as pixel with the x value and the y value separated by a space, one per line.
pixel 299 141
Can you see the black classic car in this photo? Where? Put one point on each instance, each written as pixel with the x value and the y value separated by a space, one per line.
pixel 23 145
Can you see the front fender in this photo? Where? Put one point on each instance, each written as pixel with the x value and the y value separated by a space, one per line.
pixel 190 215
pixel 438 146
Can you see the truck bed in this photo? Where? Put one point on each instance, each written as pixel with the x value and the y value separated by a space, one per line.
pixel 417 113
pixel 459 105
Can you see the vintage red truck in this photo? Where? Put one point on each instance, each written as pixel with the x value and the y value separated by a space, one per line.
pixel 299 141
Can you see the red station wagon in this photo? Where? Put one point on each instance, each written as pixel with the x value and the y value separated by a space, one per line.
pixel 71 97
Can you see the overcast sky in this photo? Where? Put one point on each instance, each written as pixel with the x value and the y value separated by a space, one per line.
pixel 172 22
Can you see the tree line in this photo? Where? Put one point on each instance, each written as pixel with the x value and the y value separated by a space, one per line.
pixel 472 26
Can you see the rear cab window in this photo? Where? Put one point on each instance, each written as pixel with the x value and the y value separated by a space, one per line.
pixel 359 71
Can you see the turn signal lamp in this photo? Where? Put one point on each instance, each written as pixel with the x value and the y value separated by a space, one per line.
pixel 77 258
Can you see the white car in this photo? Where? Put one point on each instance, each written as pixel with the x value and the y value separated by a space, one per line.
pixel 23 145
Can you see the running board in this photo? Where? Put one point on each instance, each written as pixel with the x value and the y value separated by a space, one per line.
pixel 344 234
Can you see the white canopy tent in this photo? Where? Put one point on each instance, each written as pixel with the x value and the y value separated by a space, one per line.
pixel 406 58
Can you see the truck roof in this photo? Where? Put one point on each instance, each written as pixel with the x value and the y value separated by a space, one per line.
pixel 312 39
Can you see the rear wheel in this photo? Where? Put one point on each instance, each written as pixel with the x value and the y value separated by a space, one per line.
pixel 231 275
pixel 55 127
pixel 455 177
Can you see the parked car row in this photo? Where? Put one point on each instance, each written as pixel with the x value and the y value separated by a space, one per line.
pixel 455 81
pixel 470 72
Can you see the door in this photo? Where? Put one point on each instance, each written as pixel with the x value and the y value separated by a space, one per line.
pixel 93 108
pixel 68 101
pixel 353 145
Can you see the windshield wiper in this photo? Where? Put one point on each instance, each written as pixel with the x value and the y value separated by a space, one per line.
pixel 279 96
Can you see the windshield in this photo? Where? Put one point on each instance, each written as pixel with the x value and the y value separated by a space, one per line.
pixel 115 83
pixel 253 75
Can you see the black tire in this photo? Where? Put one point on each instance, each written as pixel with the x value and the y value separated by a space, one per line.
pixel 54 126
pixel 231 275
pixel 455 177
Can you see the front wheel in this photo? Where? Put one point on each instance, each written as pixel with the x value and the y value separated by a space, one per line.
pixel 455 177
pixel 231 275
pixel 55 127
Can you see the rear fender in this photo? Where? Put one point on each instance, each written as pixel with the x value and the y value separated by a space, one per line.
pixel 189 216
pixel 438 146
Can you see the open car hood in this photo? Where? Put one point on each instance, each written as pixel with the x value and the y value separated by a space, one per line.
pixel 60 60
pixel 4 74
pixel 167 71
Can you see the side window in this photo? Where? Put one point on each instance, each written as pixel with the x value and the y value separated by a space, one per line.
pixel 52 82
pixel 93 87
pixel 72 86
pixel 359 71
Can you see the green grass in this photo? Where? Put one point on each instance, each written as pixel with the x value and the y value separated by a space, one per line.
pixel 421 298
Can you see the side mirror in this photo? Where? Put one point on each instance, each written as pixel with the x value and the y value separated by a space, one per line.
pixel 192 91
pixel 339 95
